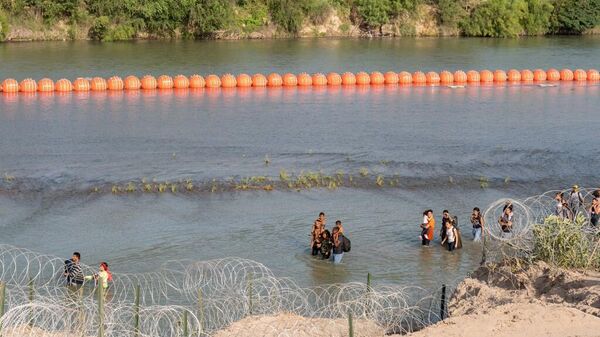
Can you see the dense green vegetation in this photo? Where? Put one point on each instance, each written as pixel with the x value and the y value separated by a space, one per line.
pixel 126 19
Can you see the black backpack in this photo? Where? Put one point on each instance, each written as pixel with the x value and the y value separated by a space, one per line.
pixel 346 245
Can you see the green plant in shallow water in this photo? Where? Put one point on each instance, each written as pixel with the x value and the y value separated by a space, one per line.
pixel 379 181
pixel 363 171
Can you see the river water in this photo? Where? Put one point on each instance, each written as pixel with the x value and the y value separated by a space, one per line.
pixel 433 147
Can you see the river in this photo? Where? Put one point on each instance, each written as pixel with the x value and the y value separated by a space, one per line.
pixel 433 147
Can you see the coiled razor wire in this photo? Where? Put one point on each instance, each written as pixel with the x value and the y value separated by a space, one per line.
pixel 186 298
pixel 193 299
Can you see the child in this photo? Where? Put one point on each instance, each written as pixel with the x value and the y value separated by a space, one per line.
pixel 427 227
pixel 102 277
pixel 326 245
pixel 451 236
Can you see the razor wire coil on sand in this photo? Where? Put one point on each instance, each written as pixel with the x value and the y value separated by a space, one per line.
pixel 187 298
pixel 211 295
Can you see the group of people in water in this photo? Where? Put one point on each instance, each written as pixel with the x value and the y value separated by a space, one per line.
pixel 450 235
pixel 569 205
pixel 329 245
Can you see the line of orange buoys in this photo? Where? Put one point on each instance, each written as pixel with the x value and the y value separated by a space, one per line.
pixel 149 82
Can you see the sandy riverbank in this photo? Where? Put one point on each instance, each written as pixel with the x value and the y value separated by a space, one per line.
pixel 501 300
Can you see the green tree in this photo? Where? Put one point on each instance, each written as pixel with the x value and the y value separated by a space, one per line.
pixel 451 12
pixel 374 13
pixel 288 14
pixel 575 16
pixel 3 25
pixel 210 16
pixel 496 18
pixel 537 20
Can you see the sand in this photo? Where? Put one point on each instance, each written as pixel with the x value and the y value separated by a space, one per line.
pixel 296 326
pixel 507 300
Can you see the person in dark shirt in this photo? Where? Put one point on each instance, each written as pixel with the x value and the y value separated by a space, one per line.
pixel 73 272
pixel 326 245
pixel 338 240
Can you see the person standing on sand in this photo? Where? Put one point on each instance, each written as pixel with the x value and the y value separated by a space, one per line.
pixel 477 221
pixel 428 227
pixel 73 272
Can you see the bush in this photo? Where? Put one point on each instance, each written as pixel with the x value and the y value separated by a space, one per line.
pixel 575 16
pixel 120 33
pixel 210 16
pixel 496 18
pixel 3 25
pixel 537 20
pixel 374 13
pixel 288 14
pixel 564 243
pixel 99 29
pixel 451 12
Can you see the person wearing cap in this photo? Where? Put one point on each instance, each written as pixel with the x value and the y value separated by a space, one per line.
pixel 575 200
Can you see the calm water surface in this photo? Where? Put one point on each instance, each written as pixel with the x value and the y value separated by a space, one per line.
pixel 440 143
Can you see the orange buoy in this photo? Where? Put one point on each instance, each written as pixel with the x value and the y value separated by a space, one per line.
pixel 28 85
pixel 164 82
pixel 539 75
pixel 114 83
pixel 63 85
pixel 527 75
pixel 334 79
pixel 486 76
pixel 473 76
pixel 319 79
pixel 460 76
pixel 552 75
pixel 500 76
pixel 197 82
pixel 419 77
pixel 181 82
pixel 259 80
pixel 289 80
pixel 432 77
pixel 513 75
pixel 593 75
pixel 391 78
pixel 81 84
pixel 228 81
pixel 566 75
pixel 362 78
pixel 274 80
pixel 446 77
pixel 10 85
pixel 376 78
pixel 45 85
pixel 213 81
pixel 243 80
pixel 98 84
pixel 132 83
pixel 579 75
pixel 348 78
pixel 405 78
pixel 304 79
pixel 149 82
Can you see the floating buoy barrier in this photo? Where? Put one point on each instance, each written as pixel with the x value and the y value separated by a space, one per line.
pixel 456 79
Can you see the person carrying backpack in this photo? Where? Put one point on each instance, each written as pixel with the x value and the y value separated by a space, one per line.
pixel 341 245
